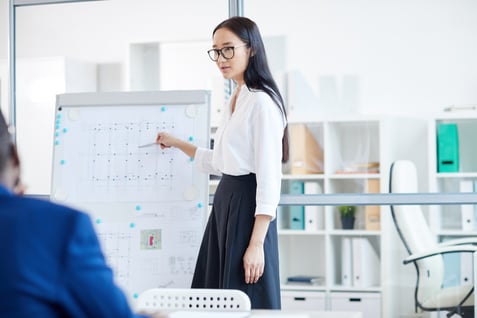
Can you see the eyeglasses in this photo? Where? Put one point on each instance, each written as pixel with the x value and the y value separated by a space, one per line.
pixel 227 52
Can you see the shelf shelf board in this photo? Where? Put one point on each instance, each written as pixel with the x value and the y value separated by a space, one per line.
pixel 457 116
pixel 303 176
pixel 294 287
pixel 457 233
pixel 355 233
pixel 214 182
pixel 300 232
pixel 341 288
pixel 443 175
pixel 355 176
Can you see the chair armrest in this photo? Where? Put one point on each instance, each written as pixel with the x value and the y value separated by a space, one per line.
pixel 465 240
pixel 440 250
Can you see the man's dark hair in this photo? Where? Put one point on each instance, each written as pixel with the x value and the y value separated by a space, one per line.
pixel 5 142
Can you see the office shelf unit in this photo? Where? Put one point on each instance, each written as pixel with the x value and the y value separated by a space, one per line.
pixel 351 158
pixel 453 220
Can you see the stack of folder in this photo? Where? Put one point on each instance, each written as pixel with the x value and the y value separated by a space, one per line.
pixel 306 280
pixel 360 265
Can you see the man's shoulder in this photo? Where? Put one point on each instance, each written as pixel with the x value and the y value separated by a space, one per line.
pixel 45 206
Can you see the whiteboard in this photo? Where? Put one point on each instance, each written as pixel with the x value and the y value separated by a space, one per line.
pixel 149 205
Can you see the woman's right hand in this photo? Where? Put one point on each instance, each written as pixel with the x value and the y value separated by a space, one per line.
pixel 166 140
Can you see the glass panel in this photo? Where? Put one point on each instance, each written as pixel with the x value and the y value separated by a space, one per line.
pixel 358 99
pixel 116 45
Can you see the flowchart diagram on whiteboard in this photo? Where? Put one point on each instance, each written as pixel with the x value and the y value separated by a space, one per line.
pixel 149 205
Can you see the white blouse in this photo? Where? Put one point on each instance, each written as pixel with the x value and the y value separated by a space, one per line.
pixel 249 140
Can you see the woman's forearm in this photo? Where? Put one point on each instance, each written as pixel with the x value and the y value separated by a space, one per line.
pixel 260 229
pixel 186 147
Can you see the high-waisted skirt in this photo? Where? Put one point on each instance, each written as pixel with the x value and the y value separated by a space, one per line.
pixel 226 237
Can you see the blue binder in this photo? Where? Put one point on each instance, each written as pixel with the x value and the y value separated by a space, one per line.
pixel 297 212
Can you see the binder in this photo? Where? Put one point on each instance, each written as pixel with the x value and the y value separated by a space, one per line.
pixel 467 210
pixel 366 267
pixel 313 213
pixel 346 262
pixel 447 148
pixel 297 212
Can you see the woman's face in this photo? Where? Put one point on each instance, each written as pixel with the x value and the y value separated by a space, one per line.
pixel 233 68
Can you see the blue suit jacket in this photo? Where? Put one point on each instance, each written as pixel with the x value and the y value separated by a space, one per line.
pixel 51 264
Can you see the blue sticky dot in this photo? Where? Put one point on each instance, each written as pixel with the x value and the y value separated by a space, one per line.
pixel 62 162
pixel 199 205
pixel 163 109
pixel 57 142
pixel 57 121
pixel 57 134
pixel 98 221
pixel 135 295
pixel 65 130
pixel 191 138
pixel 57 126
pixel 138 208
pixel 191 159
pixel 131 225
pixel 58 116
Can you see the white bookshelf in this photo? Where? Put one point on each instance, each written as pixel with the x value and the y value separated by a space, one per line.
pixel 318 252
pixel 346 143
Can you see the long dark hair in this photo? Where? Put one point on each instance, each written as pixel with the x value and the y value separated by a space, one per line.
pixel 257 75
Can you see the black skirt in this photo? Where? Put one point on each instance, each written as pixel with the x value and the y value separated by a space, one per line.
pixel 226 237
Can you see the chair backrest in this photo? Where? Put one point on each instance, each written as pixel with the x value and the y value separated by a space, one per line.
pixel 414 230
pixel 200 299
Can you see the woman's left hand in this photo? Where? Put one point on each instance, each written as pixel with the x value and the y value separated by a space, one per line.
pixel 253 263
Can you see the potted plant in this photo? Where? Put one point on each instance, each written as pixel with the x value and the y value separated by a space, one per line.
pixel 347 213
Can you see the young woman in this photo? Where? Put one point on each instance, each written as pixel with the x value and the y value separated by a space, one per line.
pixel 240 248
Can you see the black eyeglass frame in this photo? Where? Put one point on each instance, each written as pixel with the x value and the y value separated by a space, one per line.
pixel 220 52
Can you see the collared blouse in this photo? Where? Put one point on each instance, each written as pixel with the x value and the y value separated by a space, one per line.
pixel 249 140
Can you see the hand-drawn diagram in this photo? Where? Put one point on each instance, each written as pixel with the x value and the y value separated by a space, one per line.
pixel 148 204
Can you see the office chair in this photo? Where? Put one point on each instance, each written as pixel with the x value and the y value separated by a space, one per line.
pixel 425 253
pixel 200 299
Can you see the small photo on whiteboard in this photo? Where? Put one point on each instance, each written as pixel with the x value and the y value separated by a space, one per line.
pixel 151 239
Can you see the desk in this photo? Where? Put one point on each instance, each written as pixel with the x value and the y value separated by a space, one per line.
pixel 265 314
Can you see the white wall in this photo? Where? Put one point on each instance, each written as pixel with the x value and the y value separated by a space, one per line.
pixel 3 56
pixel 101 31
pixel 3 28
pixel 409 55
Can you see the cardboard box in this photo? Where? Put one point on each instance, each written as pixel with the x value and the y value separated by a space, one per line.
pixel 372 213
pixel 306 155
